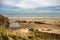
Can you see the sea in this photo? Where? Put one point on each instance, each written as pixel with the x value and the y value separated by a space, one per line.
pixel 37 15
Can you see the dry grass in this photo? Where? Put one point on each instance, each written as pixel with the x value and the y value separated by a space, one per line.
pixel 23 33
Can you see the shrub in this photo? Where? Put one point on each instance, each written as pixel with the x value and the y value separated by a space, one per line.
pixel 17 21
pixel 23 21
pixel 31 29
pixel 4 37
pixel 30 21
pixel 58 21
pixel 31 36
pixel 37 30
pixel 58 25
pixel 39 22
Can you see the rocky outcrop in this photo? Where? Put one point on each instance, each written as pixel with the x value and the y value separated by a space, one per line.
pixel 4 21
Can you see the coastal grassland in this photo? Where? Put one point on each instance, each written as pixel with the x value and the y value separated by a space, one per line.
pixel 33 29
pixel 33 34
pixel 9 34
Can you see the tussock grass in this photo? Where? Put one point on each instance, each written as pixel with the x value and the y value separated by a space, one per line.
pixel 9 34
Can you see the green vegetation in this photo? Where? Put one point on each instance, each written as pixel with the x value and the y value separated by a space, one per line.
pixel 3 36
pixel 34 34
pixel 38 22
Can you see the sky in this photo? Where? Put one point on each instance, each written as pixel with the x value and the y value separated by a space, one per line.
pixel 29 6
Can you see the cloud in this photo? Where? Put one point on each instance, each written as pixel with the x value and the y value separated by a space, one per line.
pixel 37 3
pixel 52 8
pixel 30 4
pixel 7 2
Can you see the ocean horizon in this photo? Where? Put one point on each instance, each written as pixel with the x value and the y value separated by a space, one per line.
pixel 32 15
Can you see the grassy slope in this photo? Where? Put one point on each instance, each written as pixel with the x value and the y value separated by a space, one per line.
pixel 9 33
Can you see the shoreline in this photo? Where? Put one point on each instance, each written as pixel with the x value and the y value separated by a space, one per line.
pixel 37 17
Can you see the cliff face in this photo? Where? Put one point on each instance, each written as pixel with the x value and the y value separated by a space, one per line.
pixel 3 20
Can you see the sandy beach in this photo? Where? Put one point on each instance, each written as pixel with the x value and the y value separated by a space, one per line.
pixel 52 25
pixel 29 28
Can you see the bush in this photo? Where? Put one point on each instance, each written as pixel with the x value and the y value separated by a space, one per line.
pixel 31 36
pixel 58 21
pixel 58 25
pixel 4 37
pixel 17 21
pixel 37 30
pixel 23 21
pixel 31 29
pixel 39 22
pixel 30 21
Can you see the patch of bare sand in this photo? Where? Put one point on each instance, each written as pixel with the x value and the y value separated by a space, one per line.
pixel 49 27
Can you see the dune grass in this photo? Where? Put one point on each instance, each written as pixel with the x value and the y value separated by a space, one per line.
pixel 9 34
